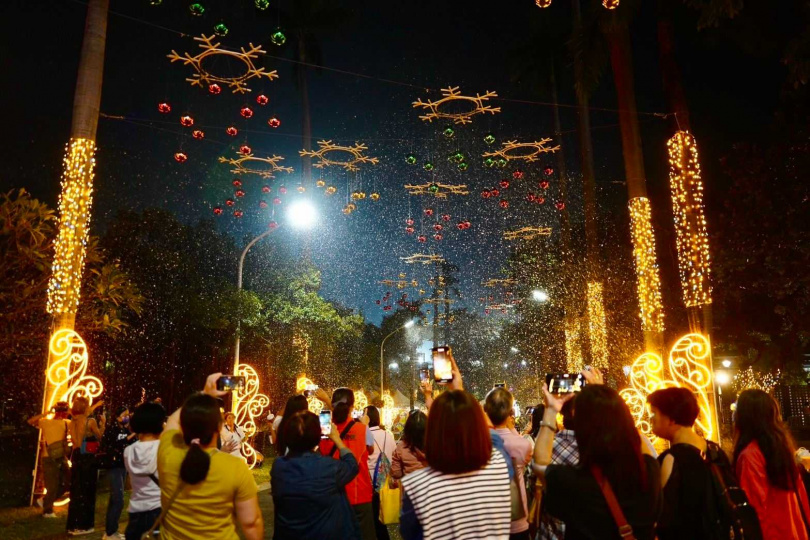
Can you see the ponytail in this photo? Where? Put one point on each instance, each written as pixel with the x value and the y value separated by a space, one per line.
pixel 200 421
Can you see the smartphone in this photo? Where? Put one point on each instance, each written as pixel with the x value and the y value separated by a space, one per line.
pixel 529 411
pixel 500 385
pixel 565 383
pixel 310 390
pixel 229 383
pixel 325 418
pixel 442 367
pixel 424 375
pixel 357 415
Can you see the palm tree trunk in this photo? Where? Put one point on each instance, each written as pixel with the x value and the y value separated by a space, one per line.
pixel 306 127
pixel 648 285
pixel 565 223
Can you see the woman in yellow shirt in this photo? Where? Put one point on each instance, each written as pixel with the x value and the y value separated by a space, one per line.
pixel 216 489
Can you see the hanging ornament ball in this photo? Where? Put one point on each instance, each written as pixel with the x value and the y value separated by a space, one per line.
pixel 433 188
pixel 409 230
pixel 548 171
pixel 239 193
pixel 347 210
pixel 278 38
pixel 246 112
pixel 422 238
pixel 374 196
pixel 410 159
pixel 489 138
pixel 274 122
pixel 238 213
pixel 428 212
pixel 262 4
pixel 489 163
pixel 428 166
pixel 355 195
pixel 198 134
pixel 378 302
pixel 460 225
pixel 530 197
pixel 458 157
pixel 301 189
pixel 504 203
pixel 446 217
pixel 186 121
pixel 237 182
pixel 504 183
pixel 560 205
pixel 164 108
pixel 232 131
pixel 282 190
pixel 543 184
pixel 262 100
pixel 449 132
pixel 155 2
pixel 494 192
pixel 262 204
pixel 331 190
pixel 610 4
pixel 265 189
pixel 221 30
pixel 437 237
pixel 467 224
pixel 542 3
pixel 272 225
pixel 217 210
pixel 245 150
pixel 501 162
pixel 229 202
pixel 409 222
pixel 517 175
pixel 540 200
pixel 276 200
pixel 352 206
pixel 438 227
pixel 486 194
pixel 463 166
pixel 320 182
pixel 214 89
pixel 196 9
pixel 180 157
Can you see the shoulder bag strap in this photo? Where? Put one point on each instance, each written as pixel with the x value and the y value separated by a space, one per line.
pixel 154 479
pixel 163 512
pixel 625 530
pixel 343 434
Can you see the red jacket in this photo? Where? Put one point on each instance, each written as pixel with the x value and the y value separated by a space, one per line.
pixel 358 490
pixel 779 511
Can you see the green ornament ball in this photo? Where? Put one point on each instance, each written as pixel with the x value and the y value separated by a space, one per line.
pixel 489 139
pixel 489 162
pixel 433 188
pixel 501 162
pixel 428 166
pixel 410 159
pixel 462 166
pixel 449 132
pixel 196 9
pixel 458 157
pixel 221 30
pixel 278 38
pixel 262 4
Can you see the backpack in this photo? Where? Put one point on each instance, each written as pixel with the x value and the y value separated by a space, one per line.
pixel 382 469
pixel 731 517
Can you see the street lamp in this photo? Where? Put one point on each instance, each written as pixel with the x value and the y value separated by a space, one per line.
pixel 540 296
pixel 721 377
pixel 382 364
pixel 726 363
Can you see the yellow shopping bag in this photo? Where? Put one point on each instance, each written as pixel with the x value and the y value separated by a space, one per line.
pixel 390 504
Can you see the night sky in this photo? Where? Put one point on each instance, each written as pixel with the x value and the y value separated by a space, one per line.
pixel 732 92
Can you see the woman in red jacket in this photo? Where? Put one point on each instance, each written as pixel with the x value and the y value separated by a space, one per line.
pixel 763 460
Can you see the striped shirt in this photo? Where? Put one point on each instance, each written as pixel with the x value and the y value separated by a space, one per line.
pixel 473 505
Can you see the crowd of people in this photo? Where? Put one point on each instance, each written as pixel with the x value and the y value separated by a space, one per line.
pixel 461 469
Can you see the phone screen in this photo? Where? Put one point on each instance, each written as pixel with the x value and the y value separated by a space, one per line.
pixel 424 375
pixel 442 367
pixel 229 383
pixel 564 383
pixel 325 418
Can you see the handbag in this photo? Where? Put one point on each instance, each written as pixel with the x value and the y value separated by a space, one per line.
pixel 150 534
pixel 516 510
pixel 90 444
pixel 58 450
pixel 390 504
pixel 625 530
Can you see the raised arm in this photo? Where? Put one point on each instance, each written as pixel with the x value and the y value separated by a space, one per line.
pixel 210 388
pixel 548 427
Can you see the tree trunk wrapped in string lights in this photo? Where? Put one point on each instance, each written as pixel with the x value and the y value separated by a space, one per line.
pixel 649 282
pixel 597 328
pixel 573 344
pixel 690 222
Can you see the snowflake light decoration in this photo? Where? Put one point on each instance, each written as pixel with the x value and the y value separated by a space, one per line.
pixel 514 150
pixel 240 169
pixel 527 233
pixel 421 258
pixel 499 282
pixel 204 78
pixel 399 283
pixel 325 147
pixel 438 190
pixel 453 94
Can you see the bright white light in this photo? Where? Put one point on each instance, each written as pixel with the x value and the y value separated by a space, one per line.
pixel 393 365
pixel 626 370
pixel 523 363
pixel 505 365
pixel 302 214
pixel 514 349
pixel 410 323
pixel 721 377
pixel 539 296
pixel 726 363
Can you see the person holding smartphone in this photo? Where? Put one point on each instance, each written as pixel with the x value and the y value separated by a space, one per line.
pixel 309 489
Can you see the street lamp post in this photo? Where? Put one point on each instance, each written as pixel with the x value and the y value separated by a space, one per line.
pixel 382 364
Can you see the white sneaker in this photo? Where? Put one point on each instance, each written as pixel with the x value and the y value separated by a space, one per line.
pixel 51 515
pixel 81 532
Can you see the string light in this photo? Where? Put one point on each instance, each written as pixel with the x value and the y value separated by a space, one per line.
pixel 649 283
pixel 303 384
pixel 388 410
pixel 749 378
pixel 573 348
pixel 690 222
pixel 597 326
pixel 248 405
pixel 360 401
pixel 75 201
pixel 67 373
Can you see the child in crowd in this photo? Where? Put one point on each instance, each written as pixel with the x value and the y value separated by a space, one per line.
pixel 140 460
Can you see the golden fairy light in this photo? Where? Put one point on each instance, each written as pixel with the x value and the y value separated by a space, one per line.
pixel 67 375
pixel 649 282
pixel 302 384
pixel 388 411
pixel 542 3
pixel 352 163
pixel 597 327
pixel 690 221
pixel 360 401
pixel 749 378
pixel 688 366
pixel 248 405
pixel 573 346
pixel 75 201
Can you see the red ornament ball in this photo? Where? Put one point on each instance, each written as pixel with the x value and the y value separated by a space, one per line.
pixel 274 122
pixel 543 184
pixel 214 89
pixel 504 183
pixel 467 224
pixel 198 134
pixel 446 217
pixel 428 211
pixel 540 200
pixel 494 192
pixel 245 150
pixel 486 194
pixel 504 203
pixel 276 201
pixel 409 221
pixel 186 121
pixel 282 190
pixel 239 193
pixel 246 112
pixel 164 108
pixel 217 210
pixel 238 213
pixel 232 131
pixel 486 311
pixel 262 100
pixel 229 202
pixel 237 182
pixel 422 238
pixel 262 204
pixel 180 157
pixel 560 205
pixel 378 302
pixel 530 197
pixel 548 171
pixel 437 237
pixel 265 189
pixel 272 225
pixel 517 175
pixel 460 225
pixel 438 227
pixel 409 230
